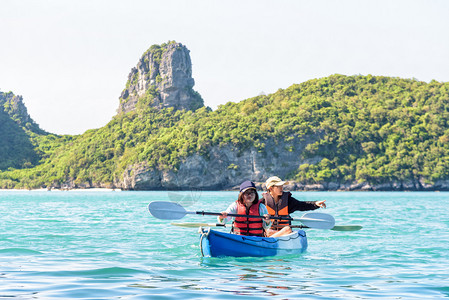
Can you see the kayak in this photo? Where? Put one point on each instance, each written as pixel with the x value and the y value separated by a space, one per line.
pixel 215 243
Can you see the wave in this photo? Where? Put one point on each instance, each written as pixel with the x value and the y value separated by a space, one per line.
pixel 112 272
pixel 19 251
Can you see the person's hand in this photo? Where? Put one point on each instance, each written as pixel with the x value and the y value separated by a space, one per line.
pixel 224 215
pixel 266 217
pixel 321 203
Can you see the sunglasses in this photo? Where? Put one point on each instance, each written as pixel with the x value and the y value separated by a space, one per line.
pixel 249 192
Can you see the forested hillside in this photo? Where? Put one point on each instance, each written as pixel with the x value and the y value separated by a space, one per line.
pixel 355 129
pixel 16 126
pixel 15 146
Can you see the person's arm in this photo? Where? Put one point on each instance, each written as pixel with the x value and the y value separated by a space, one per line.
pixel 264 212
pixel 295 205
pixel 232 209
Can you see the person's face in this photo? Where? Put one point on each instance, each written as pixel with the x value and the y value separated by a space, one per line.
pixel 249 196
pixel 276 190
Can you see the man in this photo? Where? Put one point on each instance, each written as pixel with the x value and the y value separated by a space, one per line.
pixel 282 204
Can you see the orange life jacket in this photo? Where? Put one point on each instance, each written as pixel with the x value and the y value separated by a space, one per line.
pixel 278 210
pixel 248 226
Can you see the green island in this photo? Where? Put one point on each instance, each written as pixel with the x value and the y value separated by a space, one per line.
pixel 343 130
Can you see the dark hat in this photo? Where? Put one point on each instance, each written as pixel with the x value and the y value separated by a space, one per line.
pixel 247 185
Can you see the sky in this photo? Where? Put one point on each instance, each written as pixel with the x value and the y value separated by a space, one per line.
pixel 70 59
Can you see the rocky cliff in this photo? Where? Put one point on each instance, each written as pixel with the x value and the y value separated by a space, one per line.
pixel 225 167
pixel 221 169
pixel 162 78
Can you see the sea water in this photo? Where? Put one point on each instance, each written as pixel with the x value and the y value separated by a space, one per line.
pixel 106 245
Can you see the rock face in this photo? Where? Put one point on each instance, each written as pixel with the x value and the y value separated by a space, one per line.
pixel 226 167
pixel 13 105
pixel 199 172
pixel 162 78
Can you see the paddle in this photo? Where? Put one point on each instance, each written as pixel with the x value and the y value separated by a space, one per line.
pixel 173 211
pixel 194 225
pixel 335 228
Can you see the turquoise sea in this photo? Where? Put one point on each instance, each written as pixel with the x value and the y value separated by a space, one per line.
pixel 106 245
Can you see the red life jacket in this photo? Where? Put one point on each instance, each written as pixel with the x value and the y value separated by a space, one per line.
pixel 278 210
pixel 248 226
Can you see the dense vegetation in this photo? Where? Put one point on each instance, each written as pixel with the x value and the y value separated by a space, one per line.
pixel 15 147
pixel 370 129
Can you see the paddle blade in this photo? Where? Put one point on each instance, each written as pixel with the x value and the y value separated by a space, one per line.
pixel 318 220
pixel 347 228
pixel 167 210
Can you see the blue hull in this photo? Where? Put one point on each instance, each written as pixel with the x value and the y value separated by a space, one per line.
pixel 216 244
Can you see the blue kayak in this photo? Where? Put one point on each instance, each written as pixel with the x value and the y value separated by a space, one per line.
pixel 215 243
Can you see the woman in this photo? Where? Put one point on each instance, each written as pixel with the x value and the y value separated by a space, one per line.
pixel 247 204
pixel 282 204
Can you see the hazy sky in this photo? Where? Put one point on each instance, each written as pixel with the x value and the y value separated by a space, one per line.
pixel 70 60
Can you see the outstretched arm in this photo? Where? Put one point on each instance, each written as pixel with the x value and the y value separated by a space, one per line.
pixel 295 205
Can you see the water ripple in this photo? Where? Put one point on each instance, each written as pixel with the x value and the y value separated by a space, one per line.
pixel 107 246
